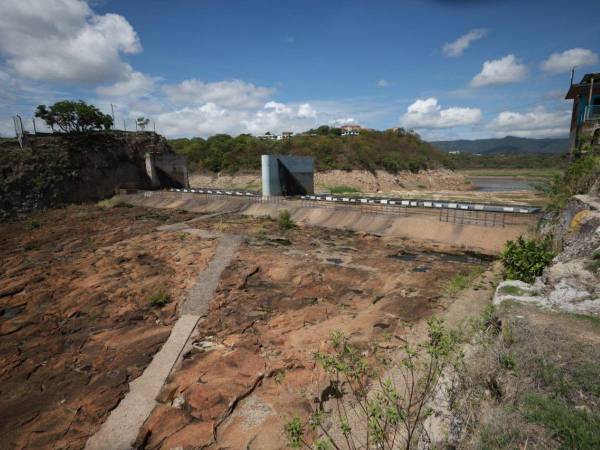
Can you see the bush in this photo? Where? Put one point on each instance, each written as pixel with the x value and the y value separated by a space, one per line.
pixel 579 178
pixel 285 220
pixel 387 416
pixel 525 259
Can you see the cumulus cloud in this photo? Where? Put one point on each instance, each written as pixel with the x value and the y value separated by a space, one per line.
pixel 428 114
pixel 341 121
pixel 565 61
pixel 210 119
pixel 65 41
pixel 536 123
pixel 136 84
pixel 383 83
pixel 500 71
pixel 457 47
pixel 228 93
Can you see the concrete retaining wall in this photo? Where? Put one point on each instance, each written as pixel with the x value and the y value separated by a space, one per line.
pixel 483 239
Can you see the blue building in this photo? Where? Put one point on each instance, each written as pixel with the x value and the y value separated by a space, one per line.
pixel 585 120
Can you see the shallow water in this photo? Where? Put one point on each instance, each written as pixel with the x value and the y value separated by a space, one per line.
pixel 504 184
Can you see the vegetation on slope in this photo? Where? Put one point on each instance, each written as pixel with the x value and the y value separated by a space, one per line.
pixel 506 145
pixel 465 161
pixel 388 150
pixel 579 178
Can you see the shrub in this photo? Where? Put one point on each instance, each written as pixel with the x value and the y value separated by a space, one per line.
pixel 525 259
pixel 159 299
pixel 389 416
pixel 285 220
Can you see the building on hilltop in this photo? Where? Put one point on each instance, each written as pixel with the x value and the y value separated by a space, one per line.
pixel 585 119
pixel 351 130
pixel 276 137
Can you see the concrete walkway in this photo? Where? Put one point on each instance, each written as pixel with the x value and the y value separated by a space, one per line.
pixel 121 428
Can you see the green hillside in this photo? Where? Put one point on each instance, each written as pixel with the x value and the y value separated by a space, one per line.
pixel 507 145
pixel 388 150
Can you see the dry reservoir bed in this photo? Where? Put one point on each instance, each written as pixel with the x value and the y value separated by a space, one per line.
pixel 80 319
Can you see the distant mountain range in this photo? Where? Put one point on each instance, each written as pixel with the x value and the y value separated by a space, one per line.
pixel 507 145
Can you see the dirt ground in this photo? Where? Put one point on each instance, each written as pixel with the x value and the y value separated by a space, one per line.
pixel 251 368
pixel 76 323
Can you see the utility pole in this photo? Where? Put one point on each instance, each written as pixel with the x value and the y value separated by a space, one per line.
pixel 112 110
pixel 154 125
pixel 34 130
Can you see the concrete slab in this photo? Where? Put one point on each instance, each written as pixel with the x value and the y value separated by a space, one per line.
pixel 121 428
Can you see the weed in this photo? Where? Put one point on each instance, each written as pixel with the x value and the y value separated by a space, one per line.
pixel 285 220
pixel 507 361
pixel 514 290
pixel 460 282
pixel 573 427
pixel 294 431
pixel 159 298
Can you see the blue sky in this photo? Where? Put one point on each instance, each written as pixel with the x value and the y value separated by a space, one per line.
pixel 449 69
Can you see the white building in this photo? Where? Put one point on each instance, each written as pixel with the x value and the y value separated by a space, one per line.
pixel 351 130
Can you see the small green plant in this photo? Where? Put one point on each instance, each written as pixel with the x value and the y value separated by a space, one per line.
pixel 285 220
pixel 460 281
pixel 390 417
pixel 507 361
pixel 159 298
pixel 525 259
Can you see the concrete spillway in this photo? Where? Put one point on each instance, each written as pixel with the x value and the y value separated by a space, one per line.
pixel 477 231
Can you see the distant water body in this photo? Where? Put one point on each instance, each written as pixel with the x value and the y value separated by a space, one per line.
pixel 504 184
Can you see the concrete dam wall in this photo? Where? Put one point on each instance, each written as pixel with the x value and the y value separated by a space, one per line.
pixel 488 238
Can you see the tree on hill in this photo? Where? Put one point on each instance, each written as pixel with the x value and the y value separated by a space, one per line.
pixel 70 116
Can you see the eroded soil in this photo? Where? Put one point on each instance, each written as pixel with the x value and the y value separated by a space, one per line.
pixel 76 324
pixel 251 368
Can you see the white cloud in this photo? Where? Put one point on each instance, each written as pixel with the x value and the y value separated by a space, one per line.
pixel 457 47
pixel 383 83
pixel 211 118
pixel 536 123
pixel 65 41
pixel 427 114
pixel 136 85
pixel 565 61
pixel 342 121
pixel 500 71
pixel 228 93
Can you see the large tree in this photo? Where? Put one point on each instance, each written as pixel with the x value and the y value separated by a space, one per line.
pixel 70 116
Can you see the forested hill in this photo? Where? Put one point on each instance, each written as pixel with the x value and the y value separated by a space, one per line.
pixel 507 145
pixel 371 150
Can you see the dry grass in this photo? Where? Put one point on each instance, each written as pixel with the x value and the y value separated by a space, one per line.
pixel 532 381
